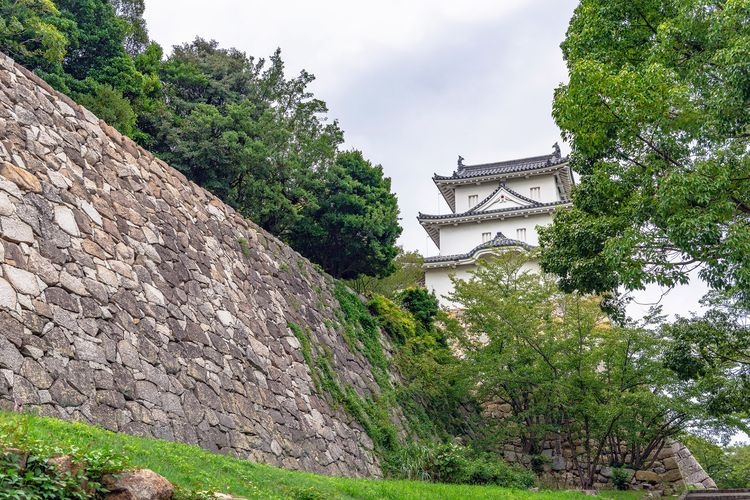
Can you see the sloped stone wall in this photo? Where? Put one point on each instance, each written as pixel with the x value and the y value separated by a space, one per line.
pixel 134 299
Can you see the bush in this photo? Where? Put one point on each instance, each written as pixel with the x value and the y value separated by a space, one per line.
pixel 451 463
pixel 422 304
pixel 620 478
pixel 398 324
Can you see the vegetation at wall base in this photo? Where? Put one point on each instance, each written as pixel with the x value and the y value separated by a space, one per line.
pixel 193 470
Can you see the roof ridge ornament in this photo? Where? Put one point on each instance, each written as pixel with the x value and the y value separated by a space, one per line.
pixel 556 150
pixel 460 161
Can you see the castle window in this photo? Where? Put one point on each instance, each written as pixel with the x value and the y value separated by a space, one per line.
pixel 535 193
pixel 521 234
pixel 473 200
pixel 486 237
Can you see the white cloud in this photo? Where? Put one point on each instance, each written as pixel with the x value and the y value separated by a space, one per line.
pixel 332 38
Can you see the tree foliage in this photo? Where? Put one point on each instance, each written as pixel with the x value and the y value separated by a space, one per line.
pixel 33 33
pixel 408 273
pixel 352 229
pixel 656 113
pixel 562 368
pixel 713 350
pixel 236 125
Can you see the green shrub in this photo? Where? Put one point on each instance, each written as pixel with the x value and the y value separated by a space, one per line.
pixel 398 324
pixel 538 462
pixel 451 463
pixel 620 478
pixel 422 304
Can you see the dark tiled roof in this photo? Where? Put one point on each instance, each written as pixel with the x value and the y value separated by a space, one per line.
pixel 422 217
pixel 499 241
pixel 504 167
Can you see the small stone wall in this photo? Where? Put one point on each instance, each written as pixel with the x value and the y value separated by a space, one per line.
pixel 674 470
pixel 133 299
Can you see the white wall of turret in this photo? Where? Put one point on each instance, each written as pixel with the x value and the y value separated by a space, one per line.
pixel 547 191
pixel 438 280
pixel 461 238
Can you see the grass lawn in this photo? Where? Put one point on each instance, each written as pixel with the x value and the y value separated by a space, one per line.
pixel 194 469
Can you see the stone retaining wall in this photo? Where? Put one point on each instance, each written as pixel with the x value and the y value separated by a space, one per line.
pixel 674 470
pixel 134 299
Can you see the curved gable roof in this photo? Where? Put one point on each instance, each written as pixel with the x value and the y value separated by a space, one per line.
pixel 499 194
pixel 499 241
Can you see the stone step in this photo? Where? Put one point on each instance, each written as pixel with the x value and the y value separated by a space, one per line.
pixel 718 495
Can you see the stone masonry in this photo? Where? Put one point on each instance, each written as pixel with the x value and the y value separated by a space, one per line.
pixel 133 299
pixel 673 470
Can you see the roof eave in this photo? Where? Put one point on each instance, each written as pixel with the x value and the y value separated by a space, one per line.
pixel 448 192
pixel 466 261
pixel 431 230
pixel 454 218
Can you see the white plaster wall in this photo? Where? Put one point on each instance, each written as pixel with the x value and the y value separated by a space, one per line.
pixel 482 191
pixel 463 237
pixel 439 280
pixel 546 183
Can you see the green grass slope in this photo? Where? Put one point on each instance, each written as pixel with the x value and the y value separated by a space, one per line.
pixel 193 469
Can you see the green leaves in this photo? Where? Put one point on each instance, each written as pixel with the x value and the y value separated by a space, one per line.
pixel 32 32
pixel 656 113
pixel 559 365
pixel 352 228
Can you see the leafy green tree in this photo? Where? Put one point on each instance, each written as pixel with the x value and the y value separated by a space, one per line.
pixel 33 33
pixel 656 113
pixel 713 350
pixel 238 127
pixel 131 11
pixel 109 105
pixel 353 228
pixel 421 303
pixel 558 366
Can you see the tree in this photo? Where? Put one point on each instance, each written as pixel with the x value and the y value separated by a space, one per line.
pixel 33 33
pixel 239 128
pixel 421 303
pixel 131 11
pixel 562 368
pixel 656 113
pixel 713 350
pixel 352 229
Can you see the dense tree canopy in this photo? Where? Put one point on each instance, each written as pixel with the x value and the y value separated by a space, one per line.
pixel 356 215
pixel 33 32
pixel 656 112
pixel 236 125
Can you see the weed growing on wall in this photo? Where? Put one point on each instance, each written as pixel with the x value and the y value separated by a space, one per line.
pixel 373 414
pixel 244 246
pixel 363 331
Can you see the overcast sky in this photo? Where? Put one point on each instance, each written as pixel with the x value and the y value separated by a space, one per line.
pixel 413 83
